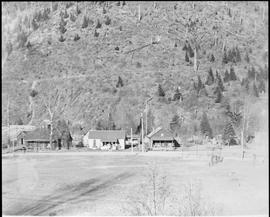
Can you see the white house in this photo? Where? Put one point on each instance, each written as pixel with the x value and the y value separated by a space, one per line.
pixel 105 139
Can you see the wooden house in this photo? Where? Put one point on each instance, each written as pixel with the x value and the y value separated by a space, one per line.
pixel 105 139
pixel 161 139
pixel 10 134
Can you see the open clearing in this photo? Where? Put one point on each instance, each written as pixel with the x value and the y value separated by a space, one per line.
pixel 99 184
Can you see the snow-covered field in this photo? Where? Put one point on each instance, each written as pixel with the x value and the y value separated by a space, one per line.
pixel 101 183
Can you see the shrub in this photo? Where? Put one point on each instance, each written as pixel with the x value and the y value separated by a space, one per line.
pixel 62 39
pixel 161 92
pixel 138 65
pixel 76 37
pixel 107 21
pixel 33 93
pixel 98 24
pixel 104 11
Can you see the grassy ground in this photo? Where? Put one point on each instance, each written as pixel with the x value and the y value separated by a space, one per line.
pixel 100 183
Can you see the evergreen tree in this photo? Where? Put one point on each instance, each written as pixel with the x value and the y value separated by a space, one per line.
pixel 238 55
pixel 62 28
pixel 247 57
pixel 28 45
pixel 210 77
pixel 177 95
pixel 229 56
pixel 255 90
pixel 251 73
pixel 72 17
pixel 161 92
pixel 205 126
pixel 185 47
pixel 96 34
pixel 232 74
pixel 247 86
pixel 175 123
pixel 85 22
pixel 219 95
pixel 78 11
pixel 107 21
pixel 228 132
pixel 226 76
pixel 219 82
pixel 34 24
pixel 225 58
pixel 261 87
pixel 190 51
pixel 63 22
pixel 212 58
pixel 119 82
pixel 186 57
pixel 65 14
pixel 98 25
pixel 200 84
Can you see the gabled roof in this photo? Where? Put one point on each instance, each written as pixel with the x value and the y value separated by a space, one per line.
pixel 40 134
pixel 161 134
pixel 154 132
pixel 107 135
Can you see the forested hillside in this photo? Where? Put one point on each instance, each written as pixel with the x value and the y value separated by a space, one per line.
pixel 96 63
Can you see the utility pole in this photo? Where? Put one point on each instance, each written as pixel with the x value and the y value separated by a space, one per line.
pixel 8 120
pixel 146 102
pixel 131 137
pixel 142 132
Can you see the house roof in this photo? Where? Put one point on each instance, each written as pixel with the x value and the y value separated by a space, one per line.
pixel 40 134
pixel 161 135
pixel 13 131
pixel 107 135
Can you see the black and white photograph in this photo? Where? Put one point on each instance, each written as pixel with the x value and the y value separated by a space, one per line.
pixel 135 108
